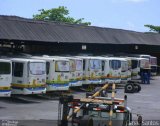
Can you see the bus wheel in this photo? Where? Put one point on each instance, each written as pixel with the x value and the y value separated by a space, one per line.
pixel 129 88
pixel 139 88
pixel 136 88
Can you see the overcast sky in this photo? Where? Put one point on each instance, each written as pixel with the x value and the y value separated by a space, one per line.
pixel 121 14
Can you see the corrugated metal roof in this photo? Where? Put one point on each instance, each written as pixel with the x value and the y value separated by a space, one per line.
pixel 17 28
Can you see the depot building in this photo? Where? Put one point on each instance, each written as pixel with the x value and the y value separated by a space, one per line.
pixel 55 38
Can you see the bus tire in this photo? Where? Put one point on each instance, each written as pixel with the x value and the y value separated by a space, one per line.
pixel 139 88
pixel 136 88
pixel 129 88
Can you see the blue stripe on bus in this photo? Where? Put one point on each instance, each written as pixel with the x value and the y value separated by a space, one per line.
pixel 33 89
pixel 59 85
pixel 5 90
pixel 75 81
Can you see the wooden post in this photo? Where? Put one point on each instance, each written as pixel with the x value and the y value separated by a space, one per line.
pixel 111 109
pixel 94 95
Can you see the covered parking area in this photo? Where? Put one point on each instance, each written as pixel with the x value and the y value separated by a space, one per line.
pixel 43 37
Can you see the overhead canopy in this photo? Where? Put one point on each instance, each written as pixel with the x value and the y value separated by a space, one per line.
pixel 13 28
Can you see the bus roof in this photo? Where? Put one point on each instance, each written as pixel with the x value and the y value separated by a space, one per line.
pixel 50 58
pixel 70 58
pixel 5 60
pixel 27 60
pixel 153 57
pixel 87 57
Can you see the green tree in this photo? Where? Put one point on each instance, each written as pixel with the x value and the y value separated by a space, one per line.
pixel 59 14
pixel 153 28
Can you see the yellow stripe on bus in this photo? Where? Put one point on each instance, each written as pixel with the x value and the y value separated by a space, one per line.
pixel 5 88
pixel 57 82
pixel 124 77
pixel 111 77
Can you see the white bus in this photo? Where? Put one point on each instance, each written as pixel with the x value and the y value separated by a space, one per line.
pixel 138 64
pixel 57 73
pixel 92 70
pixel 28 76
pixel 135 70
pixel 111 70
pixel 5 77
pixel 153 63
pixel 76 71
pixel 144 63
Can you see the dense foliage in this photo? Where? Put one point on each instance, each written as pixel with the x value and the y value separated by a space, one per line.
pixel 59 14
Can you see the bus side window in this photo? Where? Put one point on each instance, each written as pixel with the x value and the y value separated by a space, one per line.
pixel 47 67
pixel 110 63
pixel 84 64
pixel 18 70
pixel 103 65
pixel 12 68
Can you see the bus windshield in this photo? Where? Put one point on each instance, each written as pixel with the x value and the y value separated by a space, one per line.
pixel 37 68
pixel 62 66
pixel 115 64
pixel 79 65
pixel 144 63
pixel 5 68
pixel 95 64
pixel 153 61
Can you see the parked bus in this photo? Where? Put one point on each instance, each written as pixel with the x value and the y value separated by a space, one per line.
pixel 92 69
pixel 153 63
pixel 58 75
pixel 76 71
pixel 135 68
pixel 111 70
pixel 5 77
pixel 138 64
pixel 144 63
pixel 28 76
